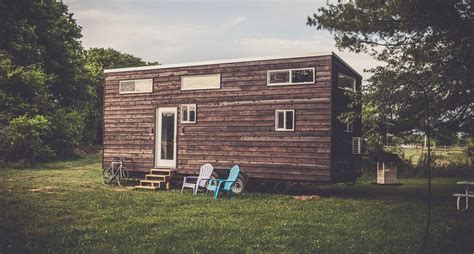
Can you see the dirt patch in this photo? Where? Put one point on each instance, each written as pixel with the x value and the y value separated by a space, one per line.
pixel 44 189
pixel 87 186
pixel 124 188
pixel 307 198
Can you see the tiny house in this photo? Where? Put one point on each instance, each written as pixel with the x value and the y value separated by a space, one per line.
pixel 276 117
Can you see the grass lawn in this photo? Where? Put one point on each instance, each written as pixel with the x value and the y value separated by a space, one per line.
pixel 63 207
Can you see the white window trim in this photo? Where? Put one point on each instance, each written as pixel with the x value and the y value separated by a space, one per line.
pixel 354 88
pixel 284 119
pixel 188 113
pixel 351 129
pixel 129 92
pixel 291 77
pixel 359 145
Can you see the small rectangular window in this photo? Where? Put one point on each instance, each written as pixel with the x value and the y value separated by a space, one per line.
pixel 302 76
pixel 345 82
pixel 198 82
pixel 349 127
pixel 291 77
pixel 188 113
pixel 279 77
pixel 284 120
pixel 136 86
pixel 356 145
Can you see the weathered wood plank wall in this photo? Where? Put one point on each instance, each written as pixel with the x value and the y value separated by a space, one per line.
pixel 235 124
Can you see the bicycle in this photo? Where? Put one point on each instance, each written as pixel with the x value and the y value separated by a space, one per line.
pixel 115 170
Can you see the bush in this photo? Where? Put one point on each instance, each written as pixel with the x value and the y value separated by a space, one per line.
pixel 25 139
pixel 67 127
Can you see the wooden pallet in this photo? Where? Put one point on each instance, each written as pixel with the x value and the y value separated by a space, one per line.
pixel 158 179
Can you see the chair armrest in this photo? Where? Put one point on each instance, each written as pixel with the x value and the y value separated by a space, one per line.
pixel 227 181
pixel 217 180
pixel 199 180
pixel 188 178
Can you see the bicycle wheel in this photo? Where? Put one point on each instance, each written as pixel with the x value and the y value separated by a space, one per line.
pixel 125 173
pixel 122 174
pixel 107 176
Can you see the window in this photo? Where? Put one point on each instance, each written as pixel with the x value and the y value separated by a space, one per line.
pixel 188 113
pixel 345 82
pixel 290 77
pixel 356 145
pixel 212 81
pixel 136 86
pixel 349 127
pixel 284 120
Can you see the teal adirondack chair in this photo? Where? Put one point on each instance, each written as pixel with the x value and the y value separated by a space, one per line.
pixel 226 184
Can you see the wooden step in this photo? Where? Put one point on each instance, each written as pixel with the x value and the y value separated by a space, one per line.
pixel 155 177
pixel 156 185
pixel 151 181
pixel 160 171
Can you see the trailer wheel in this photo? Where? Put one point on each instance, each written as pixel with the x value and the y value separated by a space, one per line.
pixel 351 182
pixel 240 185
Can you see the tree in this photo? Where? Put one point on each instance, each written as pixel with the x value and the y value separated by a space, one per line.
pixel 426 81
pixel 50 88
pixel 426 46
pixel 42 79
pixel 96 60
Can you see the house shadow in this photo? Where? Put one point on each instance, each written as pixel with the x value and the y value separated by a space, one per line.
pixel 341 190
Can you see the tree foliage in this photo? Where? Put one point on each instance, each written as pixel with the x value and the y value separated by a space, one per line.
pixel 42 77
pixel 50 87
pixel 427 50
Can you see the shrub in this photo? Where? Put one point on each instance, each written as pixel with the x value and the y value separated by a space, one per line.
pixel 67 127
pixel 25 138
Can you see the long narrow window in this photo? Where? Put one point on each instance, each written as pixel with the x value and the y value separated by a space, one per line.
pixel 136 86
pixel 291 77
pixel 284 120
pixel 188 113
pixel 201 82
pixel 356 145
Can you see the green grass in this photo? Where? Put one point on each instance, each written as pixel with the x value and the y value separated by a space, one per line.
pixel 63 207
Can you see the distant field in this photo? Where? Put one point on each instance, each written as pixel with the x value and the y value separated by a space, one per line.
pixel 441 156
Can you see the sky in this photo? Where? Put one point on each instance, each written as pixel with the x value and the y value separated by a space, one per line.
pixel 181 31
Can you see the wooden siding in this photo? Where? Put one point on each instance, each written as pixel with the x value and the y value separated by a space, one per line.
pixel 235 124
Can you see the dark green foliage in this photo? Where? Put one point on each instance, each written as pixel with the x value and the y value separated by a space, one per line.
pixel 47 79
pixel 43 83
pixel 427 48
pixel 26 137
pixel 67 130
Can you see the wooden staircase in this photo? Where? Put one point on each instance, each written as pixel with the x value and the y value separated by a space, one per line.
pixel 157 179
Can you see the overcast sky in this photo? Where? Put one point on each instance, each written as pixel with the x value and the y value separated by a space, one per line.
pixel 185 31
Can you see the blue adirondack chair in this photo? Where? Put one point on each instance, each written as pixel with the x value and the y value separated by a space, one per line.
pixel 226 184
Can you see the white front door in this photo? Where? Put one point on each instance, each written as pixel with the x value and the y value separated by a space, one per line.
pixel 165 147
